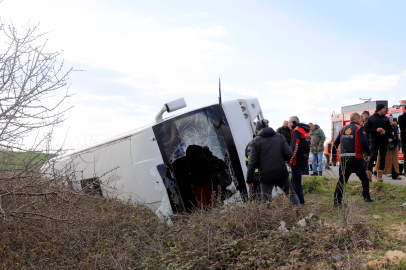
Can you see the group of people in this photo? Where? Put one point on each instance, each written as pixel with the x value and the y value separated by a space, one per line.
pixel 362 142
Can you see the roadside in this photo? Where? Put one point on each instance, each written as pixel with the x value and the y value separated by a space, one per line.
pixel 386 179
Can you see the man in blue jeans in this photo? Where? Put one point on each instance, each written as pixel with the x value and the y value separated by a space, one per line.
pixel 300 145
pixel 317 147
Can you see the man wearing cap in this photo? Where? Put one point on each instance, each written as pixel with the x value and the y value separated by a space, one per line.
pixel 269 152
pixel 378 128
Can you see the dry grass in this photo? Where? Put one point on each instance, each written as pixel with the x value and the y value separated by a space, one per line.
pixel 108 234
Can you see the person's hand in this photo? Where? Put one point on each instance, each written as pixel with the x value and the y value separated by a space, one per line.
pixel 380 130
pixel 251 185
pixel 383 132
pixel 390 140
pixel 367 158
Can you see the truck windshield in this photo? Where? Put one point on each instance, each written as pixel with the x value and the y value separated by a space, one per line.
pixel 396 115
pixel 336 129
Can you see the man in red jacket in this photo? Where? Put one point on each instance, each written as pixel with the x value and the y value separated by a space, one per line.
pixel 300 145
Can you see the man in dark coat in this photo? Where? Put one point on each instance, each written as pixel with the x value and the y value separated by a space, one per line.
pixel 402 126
pixel 285 131
pixel 255 187
pixel 378 128
pixel 300 146
pixel 269 152
pixel 353 141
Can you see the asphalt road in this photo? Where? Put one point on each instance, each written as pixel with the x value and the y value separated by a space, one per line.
pixel 386 179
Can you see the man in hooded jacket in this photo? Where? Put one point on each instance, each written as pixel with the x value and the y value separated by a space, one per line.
pixel 316 147
pixel 300 146
pixel 269 152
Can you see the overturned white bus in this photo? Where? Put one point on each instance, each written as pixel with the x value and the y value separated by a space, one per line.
pixel 174 165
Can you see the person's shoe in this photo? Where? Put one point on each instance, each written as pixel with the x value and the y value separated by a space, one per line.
pixel 314 174
pixel 369 174
pixel 379 176
pixel 320 173
pixel 397 178
pixel 368 199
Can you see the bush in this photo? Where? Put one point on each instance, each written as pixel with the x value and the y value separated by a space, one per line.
pixel 109 234
pixel 313 185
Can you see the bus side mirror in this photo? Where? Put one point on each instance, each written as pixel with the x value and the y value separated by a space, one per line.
pixel 171 107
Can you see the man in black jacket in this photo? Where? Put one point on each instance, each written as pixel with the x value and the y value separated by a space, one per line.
pixel 300 146
pixel 285 131
pixel 353 141
pixel 402 126
pixel 378 128
pixel 269 152
pixel 255 187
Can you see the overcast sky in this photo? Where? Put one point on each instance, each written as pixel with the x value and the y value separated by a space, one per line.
pixel 304 58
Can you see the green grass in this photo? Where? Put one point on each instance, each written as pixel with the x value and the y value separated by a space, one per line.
pixel 18 160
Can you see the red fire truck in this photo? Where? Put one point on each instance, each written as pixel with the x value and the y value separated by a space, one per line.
pixel 342 119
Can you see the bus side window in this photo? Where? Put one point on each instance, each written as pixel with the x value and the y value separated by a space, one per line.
pixel 91 186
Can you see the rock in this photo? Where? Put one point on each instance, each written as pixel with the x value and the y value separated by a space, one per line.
pixel 395 256
pixel 376 216
pixel 302 223
pixel 282 228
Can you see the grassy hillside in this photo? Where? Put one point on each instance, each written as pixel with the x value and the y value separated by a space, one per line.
pixel 96 233
pixel 18 160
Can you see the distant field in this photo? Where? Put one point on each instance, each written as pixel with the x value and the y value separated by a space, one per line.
pixel 18 160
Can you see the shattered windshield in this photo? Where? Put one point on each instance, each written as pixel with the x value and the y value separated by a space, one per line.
pixel 201 160
pixel 194 129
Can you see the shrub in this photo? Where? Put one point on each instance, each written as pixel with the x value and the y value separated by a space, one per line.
pixel 313 185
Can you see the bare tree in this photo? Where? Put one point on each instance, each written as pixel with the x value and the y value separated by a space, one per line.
pixel 33 85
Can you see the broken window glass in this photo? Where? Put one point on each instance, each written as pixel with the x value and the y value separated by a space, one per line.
pixel 198 162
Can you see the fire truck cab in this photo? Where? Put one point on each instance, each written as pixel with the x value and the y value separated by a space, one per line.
pixel 342 119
